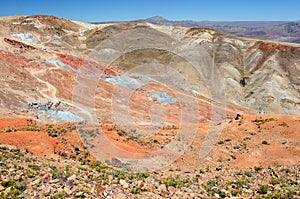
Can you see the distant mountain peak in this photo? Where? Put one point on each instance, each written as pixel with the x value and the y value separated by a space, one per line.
pixel 156 19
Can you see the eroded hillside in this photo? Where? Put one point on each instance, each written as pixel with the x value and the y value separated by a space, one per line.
pixel 43 55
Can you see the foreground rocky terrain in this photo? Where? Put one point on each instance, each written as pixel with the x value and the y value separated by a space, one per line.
pixel 254 157
pixel 212 115
pixel 27 176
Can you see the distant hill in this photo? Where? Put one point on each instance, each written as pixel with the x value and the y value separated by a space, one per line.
pixel 190 23
pixel 272 30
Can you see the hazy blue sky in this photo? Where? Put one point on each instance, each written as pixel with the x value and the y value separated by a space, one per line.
pixel 112 10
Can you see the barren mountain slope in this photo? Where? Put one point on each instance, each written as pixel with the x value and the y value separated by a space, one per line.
pixel 42 53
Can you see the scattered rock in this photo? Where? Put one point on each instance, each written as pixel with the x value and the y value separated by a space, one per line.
pixel 70 183
pixel 54 181
pixel 2 164
pixel 162 188
pixel 78 194
pixel 217 195
pixel 99 189
pixel 36 182
pixel 68 190
pixel 172 189
pixel 1 188
pixel 72 177
pixel 124 184
pixel 46 178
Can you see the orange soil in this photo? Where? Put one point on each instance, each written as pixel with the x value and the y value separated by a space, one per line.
pixel 282 136
pixel 281 133
pixel 38 143
pixel 15 122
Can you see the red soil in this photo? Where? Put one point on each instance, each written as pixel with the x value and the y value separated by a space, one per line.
pixel 248 133
pixel 38 143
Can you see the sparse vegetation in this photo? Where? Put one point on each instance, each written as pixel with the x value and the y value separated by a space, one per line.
pixel 82 178
pixel 283 124
pixel 263 189
pixel 25 128
pixel 221 142
pixel 52 130
pixel 260 122
pixel 177 181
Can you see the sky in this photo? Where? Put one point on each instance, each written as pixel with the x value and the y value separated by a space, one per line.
pixel 126 10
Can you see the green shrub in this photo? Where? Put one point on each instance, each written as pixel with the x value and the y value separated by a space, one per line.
pixel 135 190
pixel 257 169
pixel 8 183
pixel 120 174
pixel 275 181
pixel 235 192
pixel 9 129
pixel 121 133
pixel 263 189
pixel 98 166
pixel 248 174
pixel 14 184
pixel 176 181
pixel 59 195
pixel 34 167
pixel 142 175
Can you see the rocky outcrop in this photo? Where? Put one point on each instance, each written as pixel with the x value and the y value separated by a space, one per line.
pixel 19 44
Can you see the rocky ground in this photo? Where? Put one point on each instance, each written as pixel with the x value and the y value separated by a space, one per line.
pixel 26 176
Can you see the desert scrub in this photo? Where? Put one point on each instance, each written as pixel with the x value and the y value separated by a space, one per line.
pixel 58 195
pixel 263 189
pixel 25 128
pixel 137 190
pixel 213 187
pixel 221 142
pixel 98 166
pixel 241 183
pixel 121 133
pixel 262 121
pixel 248 174
pixel 56 131
pixel 258 169
pixel 283 124
pixel 8 129
pixel 34 167
pixel 142 175
pixel 31 128
pixel 235 192
pixel 178 181
pixel 59 173
pixel 275 181
pixel 120 174
pixel 14 185
pixel 87 133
